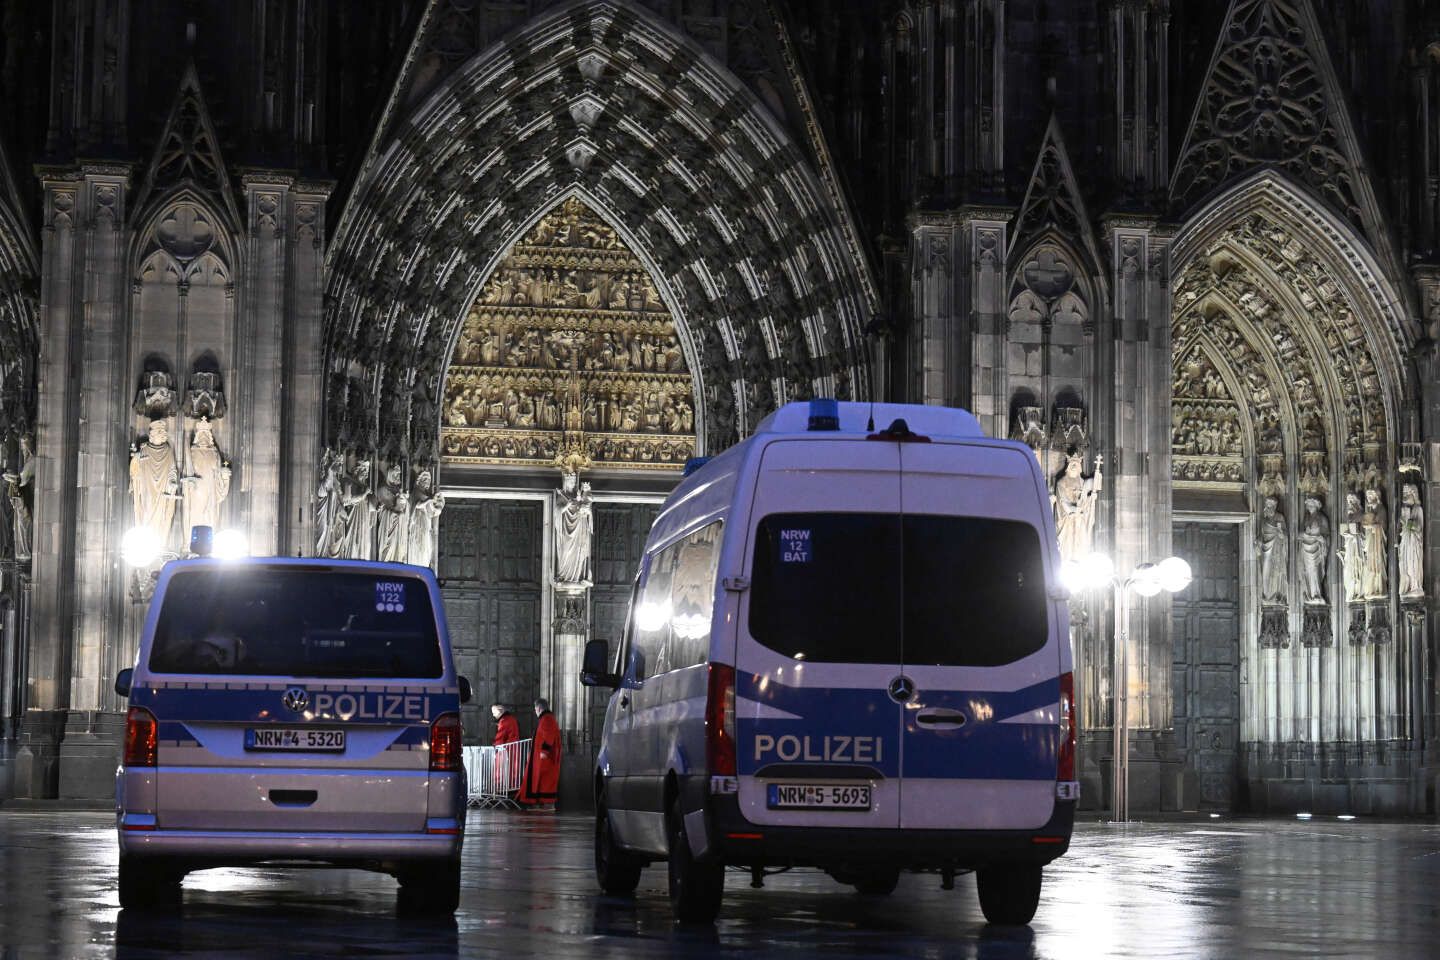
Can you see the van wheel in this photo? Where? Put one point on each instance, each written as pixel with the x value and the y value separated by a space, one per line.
pixel 878 883
pixel 1009 895
pixel 696 886
pixel 430 891
pixel 618 872
pixel 147 884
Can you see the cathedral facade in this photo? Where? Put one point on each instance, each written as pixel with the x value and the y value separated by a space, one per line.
pixel 465 282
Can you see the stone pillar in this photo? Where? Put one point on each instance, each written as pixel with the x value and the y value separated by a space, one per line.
pixel 101 481
pixel 260 352
pixel 982 245
pixel 47 693
pixel 1426 658
pixel 304 384
pixel 937 378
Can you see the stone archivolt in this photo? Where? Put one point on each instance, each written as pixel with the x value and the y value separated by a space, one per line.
pixel 569 344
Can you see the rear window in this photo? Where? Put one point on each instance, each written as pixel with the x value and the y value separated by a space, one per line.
pixel 294 622
pixel 884 588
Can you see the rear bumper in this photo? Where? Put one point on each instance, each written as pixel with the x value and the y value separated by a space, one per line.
pixel 737 841
pixel 216 848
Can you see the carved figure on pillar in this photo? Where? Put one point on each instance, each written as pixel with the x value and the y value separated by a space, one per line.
pixel 1352 548
pixel 393 505
pixel 207 484
pixel 425 507
pixel 327 506
pixel 155 483
pixel 1374 540
pixel 354 514
pixel 1412 543
pixel 1274 554
pixel 1074 502
pixel 1314 549
pixel 21 495
pixel 574 527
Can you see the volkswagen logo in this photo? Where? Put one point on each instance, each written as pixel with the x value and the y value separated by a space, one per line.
pixel 902 688
pixel 296 699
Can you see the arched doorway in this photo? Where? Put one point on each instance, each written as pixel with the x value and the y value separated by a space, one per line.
pixel 1289 415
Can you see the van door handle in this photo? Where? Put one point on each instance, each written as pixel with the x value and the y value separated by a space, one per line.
pixel 940 717
pixel 293 798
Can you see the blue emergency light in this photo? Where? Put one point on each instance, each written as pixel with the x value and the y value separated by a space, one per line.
pixel 824 414
pixel 202 540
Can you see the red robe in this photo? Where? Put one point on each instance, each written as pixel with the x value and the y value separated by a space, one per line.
pixel 507 763
pixel 542 776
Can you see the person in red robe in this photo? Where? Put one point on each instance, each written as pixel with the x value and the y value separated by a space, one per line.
pixel 542 775
pixel 507 762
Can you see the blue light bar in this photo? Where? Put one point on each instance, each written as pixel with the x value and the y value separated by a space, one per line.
pixel 693 464
pixel 202 540
pixel 824 414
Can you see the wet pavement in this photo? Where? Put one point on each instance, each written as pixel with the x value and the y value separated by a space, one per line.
pixel 1222 889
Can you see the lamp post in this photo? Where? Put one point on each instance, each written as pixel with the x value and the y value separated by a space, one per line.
pixel 1095 571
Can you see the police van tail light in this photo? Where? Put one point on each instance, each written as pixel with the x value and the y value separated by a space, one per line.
pixel 445 754
pixel 720 721
pixel 1066 766
pixel 141 735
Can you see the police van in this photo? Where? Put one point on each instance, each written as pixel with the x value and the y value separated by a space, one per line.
pixel 295 711
pixel 847 648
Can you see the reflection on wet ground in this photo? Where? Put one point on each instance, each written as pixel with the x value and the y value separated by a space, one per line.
pixel 1221 889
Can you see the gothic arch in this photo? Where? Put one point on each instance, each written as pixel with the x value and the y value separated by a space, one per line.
pixel 187 229
pixel 595 97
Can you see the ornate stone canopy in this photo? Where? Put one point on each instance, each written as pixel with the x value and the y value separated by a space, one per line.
pixel 744 245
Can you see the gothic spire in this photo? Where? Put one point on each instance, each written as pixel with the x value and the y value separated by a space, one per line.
pixel 1052 197
pixel 188 152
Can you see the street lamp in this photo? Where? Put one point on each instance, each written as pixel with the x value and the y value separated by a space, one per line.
pixel 1148 579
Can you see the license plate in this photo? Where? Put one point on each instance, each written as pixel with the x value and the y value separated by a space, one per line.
pixel 283 738
pixel 811 796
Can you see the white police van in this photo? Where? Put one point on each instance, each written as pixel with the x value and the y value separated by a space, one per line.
pixel 847 648
pixel 296 711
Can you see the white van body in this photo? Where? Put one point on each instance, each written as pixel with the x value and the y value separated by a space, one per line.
pixel 823 557
pixel 289 710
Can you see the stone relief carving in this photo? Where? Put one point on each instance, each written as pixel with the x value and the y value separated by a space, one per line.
pixel 205 399
pixel 1315 631
pixel 156 397
pixel 1074 500
pixel 570 327
pixel 1274 554
pixel 353 524
pixel 155 483
pixel 19 489
pixel 1373 537
pixel 574 531
pixel 206 483
pixel 426 504
pixel 1411 551
pixel 1313 545
pixel 327 505
pixel 1044 290
pixel 1352 549
pixel 392 507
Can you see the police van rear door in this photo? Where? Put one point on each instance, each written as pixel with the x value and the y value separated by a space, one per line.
pixel 818 735
pixel 981 640
pixel 294 698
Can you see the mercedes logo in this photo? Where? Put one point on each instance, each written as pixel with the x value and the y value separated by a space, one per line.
pixel 902 688
pixel 296 699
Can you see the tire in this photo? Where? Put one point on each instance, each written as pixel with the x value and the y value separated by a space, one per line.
pixel 878 883
pixel 147 884
pixel 617 872
pixel 696 886
pixel 430 891
pixel 1009 895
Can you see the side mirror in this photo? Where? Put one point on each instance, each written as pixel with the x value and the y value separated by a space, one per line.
pixel 123 680
pixel 595 669
pixel 465 692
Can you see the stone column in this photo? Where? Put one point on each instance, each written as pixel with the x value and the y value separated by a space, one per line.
pixel 936 377
pixel 102 435
pixel 304 385
pixel 47 693
pixel 1426 658
pixel 982 245
pixel 260 342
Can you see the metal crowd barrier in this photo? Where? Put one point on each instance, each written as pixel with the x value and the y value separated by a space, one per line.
pixel 496 773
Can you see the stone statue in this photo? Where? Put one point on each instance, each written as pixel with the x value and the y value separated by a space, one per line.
pixel 1274 554
pixel 353 517
pixel 1074 503
pixel 393 505
pixel 1374 539
pixel 208 482
pixel 425 507
pixel 1352 550
pixel 18 489
pixel 1412 542
pixel 327 506
pixel 574 527
pixel 1314 549
pixel 155 483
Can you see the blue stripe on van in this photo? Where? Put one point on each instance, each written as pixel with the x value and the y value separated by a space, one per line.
pixel 234 706
pixel 829 720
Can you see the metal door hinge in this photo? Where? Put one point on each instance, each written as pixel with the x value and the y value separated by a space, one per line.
pixel 736 584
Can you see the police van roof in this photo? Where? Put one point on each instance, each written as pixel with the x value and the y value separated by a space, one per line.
pixel 856 417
